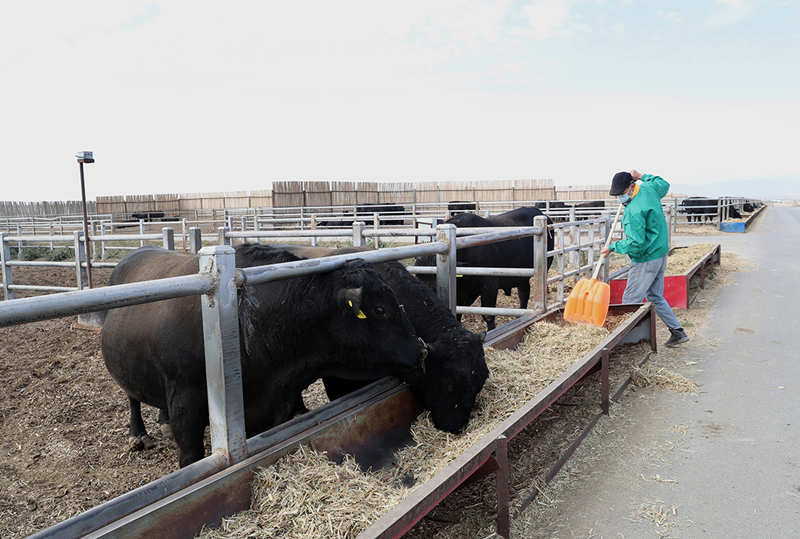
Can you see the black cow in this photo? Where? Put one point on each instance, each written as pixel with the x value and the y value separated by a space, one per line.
pixel 345 323
pixel 455 367
pixel 454 207
pixel 748 207
pixel 593 204
pixel 733 213
pixel 364 213
pixel 693 208
pixel 554 205
pixel 508 254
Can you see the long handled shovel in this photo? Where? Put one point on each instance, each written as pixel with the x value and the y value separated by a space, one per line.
pixel 588 301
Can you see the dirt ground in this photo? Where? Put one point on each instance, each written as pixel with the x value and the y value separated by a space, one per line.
pixel 64 422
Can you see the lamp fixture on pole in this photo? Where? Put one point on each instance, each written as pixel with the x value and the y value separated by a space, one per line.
pixel 85 157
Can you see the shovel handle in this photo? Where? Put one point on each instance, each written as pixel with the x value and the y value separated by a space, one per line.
pixel 608 242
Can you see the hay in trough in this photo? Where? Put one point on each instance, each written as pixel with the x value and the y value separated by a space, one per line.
pixel 314 395
pixel 685 257
pixel 306 495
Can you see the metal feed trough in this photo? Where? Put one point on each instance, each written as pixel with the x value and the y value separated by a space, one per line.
pixel 369 424
pixel 204 491
pixel 741 226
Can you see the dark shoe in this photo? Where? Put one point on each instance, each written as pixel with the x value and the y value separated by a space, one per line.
pixel 678 336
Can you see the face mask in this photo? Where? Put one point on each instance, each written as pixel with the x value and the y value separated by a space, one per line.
pixel 624 198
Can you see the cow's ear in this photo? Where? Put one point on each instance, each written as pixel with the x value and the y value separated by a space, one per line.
pixel 350 299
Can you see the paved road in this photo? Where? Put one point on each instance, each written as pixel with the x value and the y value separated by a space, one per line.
pixel 727 459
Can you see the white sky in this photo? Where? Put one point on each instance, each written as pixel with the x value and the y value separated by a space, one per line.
pixel 180 96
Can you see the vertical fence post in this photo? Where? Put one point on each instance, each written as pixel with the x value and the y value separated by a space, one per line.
pixel 376 223
pixel 604 232
pixel 80 259
pixel 674 215
pixel 243 222
pixel 183 232
pixel 19 243
pixel 195 239
pixel 540 265
pixel 590 252
pixel 223 362
pixel 668 211
pixel 358 234
pixel 5 256
pixel 719 213
pixel 141 231
pixel 94 233
pixel 446 266
pixel 103 242
pixel 52 244
pixel 224 239
pixel 503 524
pixel 313 227
pixel 168 238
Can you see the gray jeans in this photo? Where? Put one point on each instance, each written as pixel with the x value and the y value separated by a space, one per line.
pixel 646 279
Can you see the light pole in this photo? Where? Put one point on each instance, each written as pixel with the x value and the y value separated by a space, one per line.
pixel 85 157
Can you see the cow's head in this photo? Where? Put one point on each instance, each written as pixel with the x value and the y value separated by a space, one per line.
pixel 369 333
pixel 455 373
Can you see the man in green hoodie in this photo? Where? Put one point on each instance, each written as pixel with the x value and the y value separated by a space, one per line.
pixel 646 243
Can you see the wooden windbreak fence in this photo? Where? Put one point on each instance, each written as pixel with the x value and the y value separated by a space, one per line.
pixel 341 193
pixel 294 194
pixel 44 209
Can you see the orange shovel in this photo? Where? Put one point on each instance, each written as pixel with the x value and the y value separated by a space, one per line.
pixel 588 301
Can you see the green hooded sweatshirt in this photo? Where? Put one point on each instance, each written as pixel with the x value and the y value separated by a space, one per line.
pixel 646 235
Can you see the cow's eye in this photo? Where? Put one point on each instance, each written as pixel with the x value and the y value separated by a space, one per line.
pixel 379 310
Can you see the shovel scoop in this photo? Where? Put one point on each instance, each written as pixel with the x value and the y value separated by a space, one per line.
pixel 588 301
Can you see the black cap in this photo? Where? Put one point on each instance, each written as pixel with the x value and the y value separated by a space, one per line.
pixel 621 181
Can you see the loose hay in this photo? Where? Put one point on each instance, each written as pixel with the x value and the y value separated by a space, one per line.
pixel 306 495
pixel 314 395
pixel 684 258
pixel 662 377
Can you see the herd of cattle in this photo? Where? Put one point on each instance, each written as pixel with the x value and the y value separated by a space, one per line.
pixel 349 327
pixel 696 209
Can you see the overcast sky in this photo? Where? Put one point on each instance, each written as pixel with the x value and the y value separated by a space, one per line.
pixel 181 96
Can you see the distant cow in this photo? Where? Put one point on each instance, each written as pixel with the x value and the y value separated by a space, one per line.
pixel 454 207
pixel 345 323
pixel 554 205
pixel 365 214
pixel 516 253
pixel 582 213
pixel 698 207
pixel 455 367
pixel 748 207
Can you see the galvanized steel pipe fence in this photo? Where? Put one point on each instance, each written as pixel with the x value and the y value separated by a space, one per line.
pixel 217 283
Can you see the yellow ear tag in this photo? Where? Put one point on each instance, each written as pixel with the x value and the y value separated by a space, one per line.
pixel 459 275
pixel 350 303
pixel 361 314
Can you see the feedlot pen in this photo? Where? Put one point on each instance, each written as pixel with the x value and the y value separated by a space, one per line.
pixel 60 493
